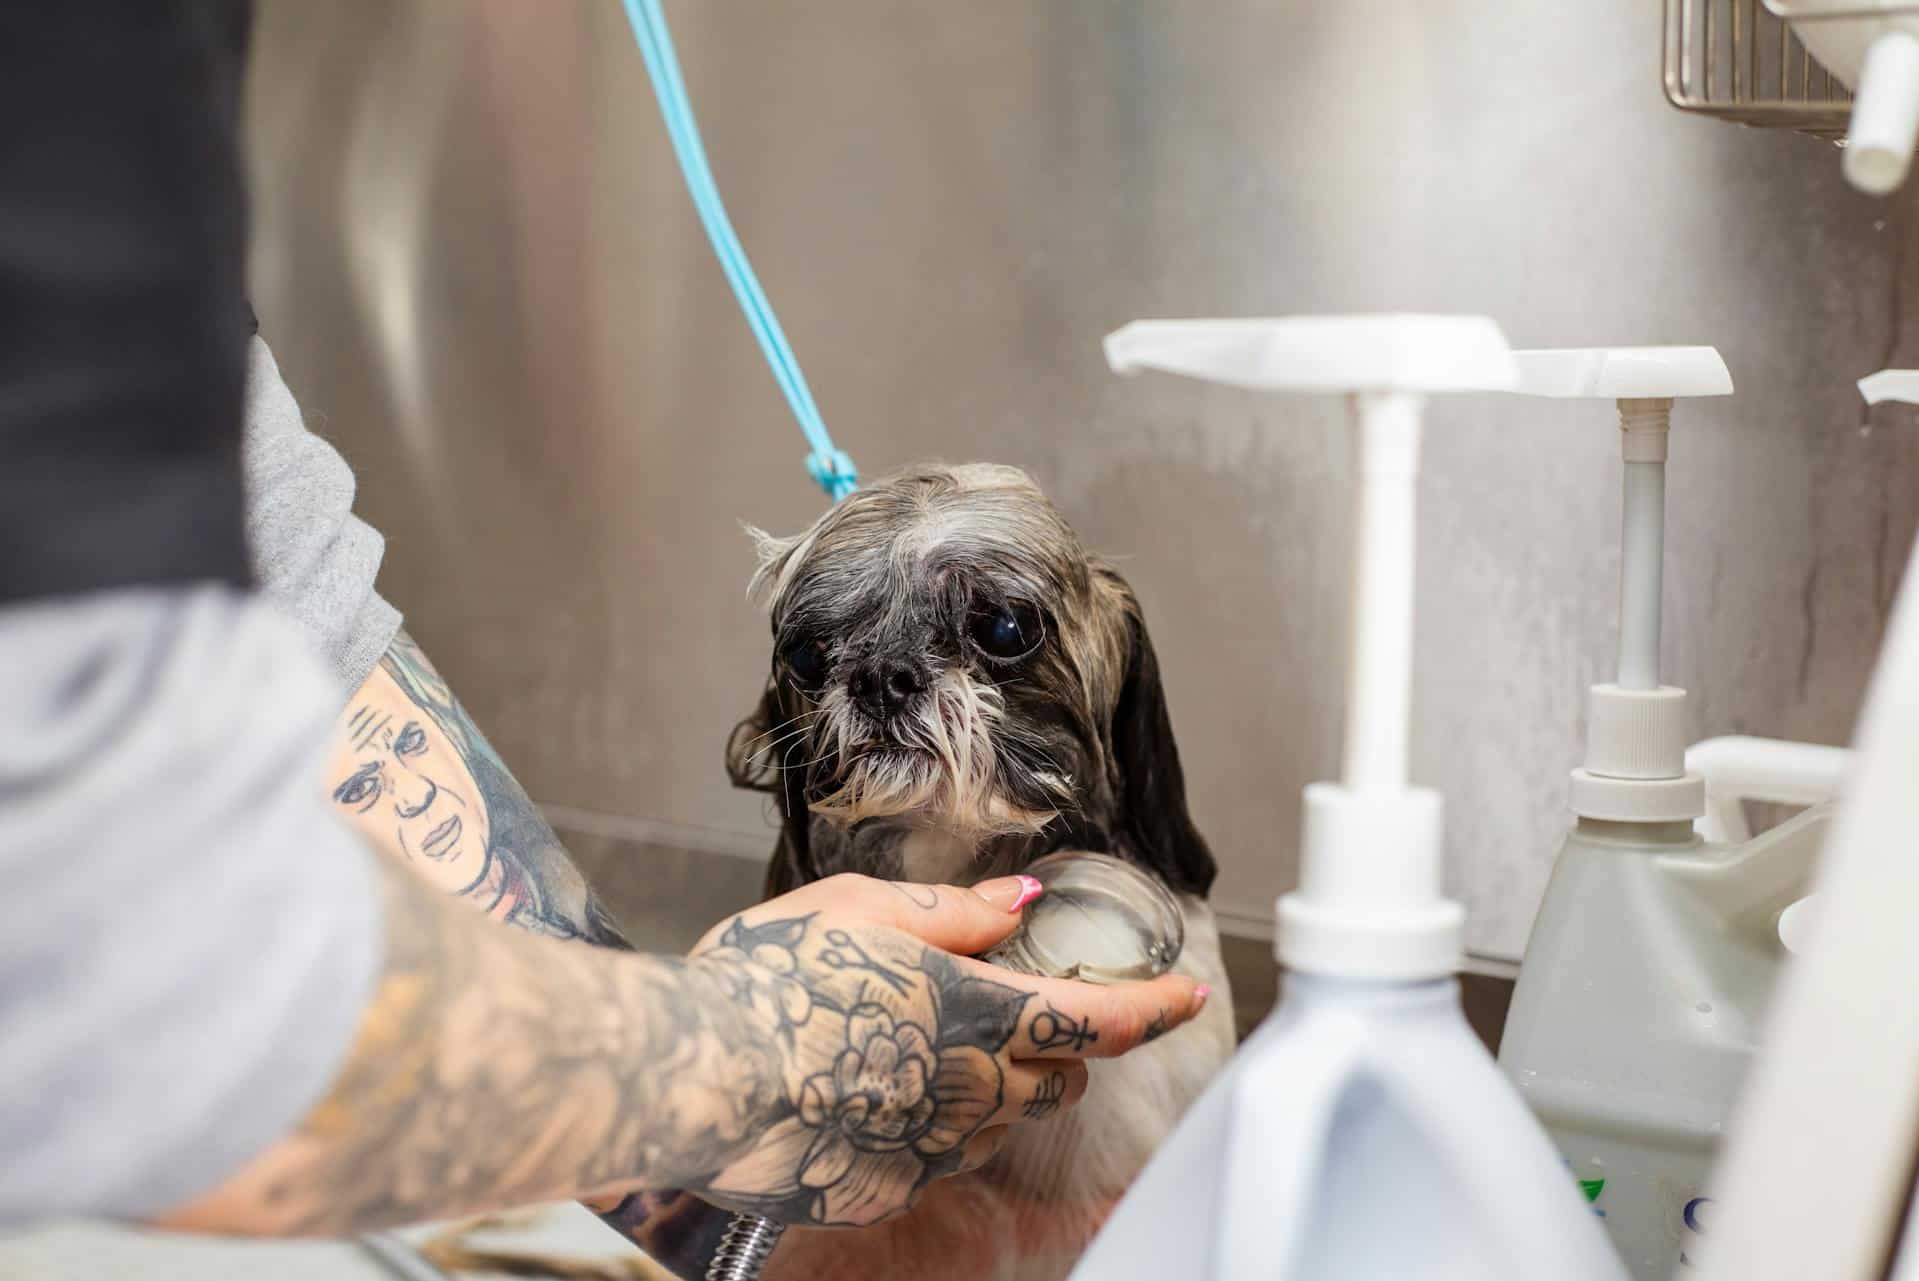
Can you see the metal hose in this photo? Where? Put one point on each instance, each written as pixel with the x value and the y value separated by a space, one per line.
pixel 745 1248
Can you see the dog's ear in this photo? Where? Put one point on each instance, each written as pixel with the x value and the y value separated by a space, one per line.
pixel 758 759
pixel 1153 818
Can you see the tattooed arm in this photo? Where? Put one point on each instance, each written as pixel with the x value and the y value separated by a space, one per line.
pixel 411 770
pixel 415 775
pixel 820 1058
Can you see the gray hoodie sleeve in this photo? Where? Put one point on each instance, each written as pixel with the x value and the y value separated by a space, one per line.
pixel 188 934
pixel 315 559
pixel 187 931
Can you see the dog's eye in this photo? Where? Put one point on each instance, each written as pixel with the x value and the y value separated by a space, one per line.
pixel 1012 632
pixel 806 659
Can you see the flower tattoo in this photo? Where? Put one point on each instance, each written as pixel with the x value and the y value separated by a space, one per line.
pixel 911 1040
pixel 876 1100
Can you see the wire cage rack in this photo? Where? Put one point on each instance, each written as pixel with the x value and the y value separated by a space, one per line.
pixel 1741 60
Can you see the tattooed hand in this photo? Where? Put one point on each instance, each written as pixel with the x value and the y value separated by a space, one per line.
pixel 899 1062
pixel 819 1059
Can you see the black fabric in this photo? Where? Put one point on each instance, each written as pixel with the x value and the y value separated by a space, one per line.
pixel 123 321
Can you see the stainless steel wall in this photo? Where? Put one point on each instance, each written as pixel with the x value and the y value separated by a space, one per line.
pixel 478 266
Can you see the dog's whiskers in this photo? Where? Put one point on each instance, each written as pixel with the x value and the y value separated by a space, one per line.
pixel 797 766
pixel 760 757
pixel 781 728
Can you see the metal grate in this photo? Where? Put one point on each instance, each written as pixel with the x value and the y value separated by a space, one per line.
pixel 1739 61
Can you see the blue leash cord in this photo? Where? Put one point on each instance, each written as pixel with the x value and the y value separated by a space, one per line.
pixel 750 1238
pixel 829 466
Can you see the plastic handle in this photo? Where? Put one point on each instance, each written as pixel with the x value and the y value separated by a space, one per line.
pixel 1739 768
pixel 1763 877
pixel 1769 873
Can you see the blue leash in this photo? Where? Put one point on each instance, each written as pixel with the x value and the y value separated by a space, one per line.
pixel 750 1238
pixel 829 466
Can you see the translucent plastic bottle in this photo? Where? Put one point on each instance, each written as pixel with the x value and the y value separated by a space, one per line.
pixel 1637 1013
pixel 1651 960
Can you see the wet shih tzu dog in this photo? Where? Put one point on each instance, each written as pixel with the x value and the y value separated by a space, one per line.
pixel 958 688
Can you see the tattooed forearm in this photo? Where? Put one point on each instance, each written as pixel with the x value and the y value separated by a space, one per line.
pixel 419 779
pixel 416 775
pixel 495 1069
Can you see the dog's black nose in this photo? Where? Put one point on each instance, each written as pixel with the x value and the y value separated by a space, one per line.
pixel 884 686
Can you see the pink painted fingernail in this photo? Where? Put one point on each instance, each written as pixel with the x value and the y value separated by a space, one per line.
pixel 1201 992
pixel 1009 893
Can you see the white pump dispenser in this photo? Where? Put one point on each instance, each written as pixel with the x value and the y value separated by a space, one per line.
pixel 1362 1131
pixel 1654 951
pixel 1635 767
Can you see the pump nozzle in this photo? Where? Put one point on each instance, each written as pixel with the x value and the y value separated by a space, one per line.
pixel 1636 729
pixel 1365 1090
pixel 1369 901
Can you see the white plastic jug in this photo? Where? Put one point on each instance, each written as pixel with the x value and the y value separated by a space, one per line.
pixel 1637 1013
pixel 1654 952
pixel 1361 1132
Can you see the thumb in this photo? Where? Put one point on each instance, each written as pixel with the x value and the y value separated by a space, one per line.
pixel 963 921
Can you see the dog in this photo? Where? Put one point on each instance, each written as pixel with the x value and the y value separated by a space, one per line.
pixel 958 688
